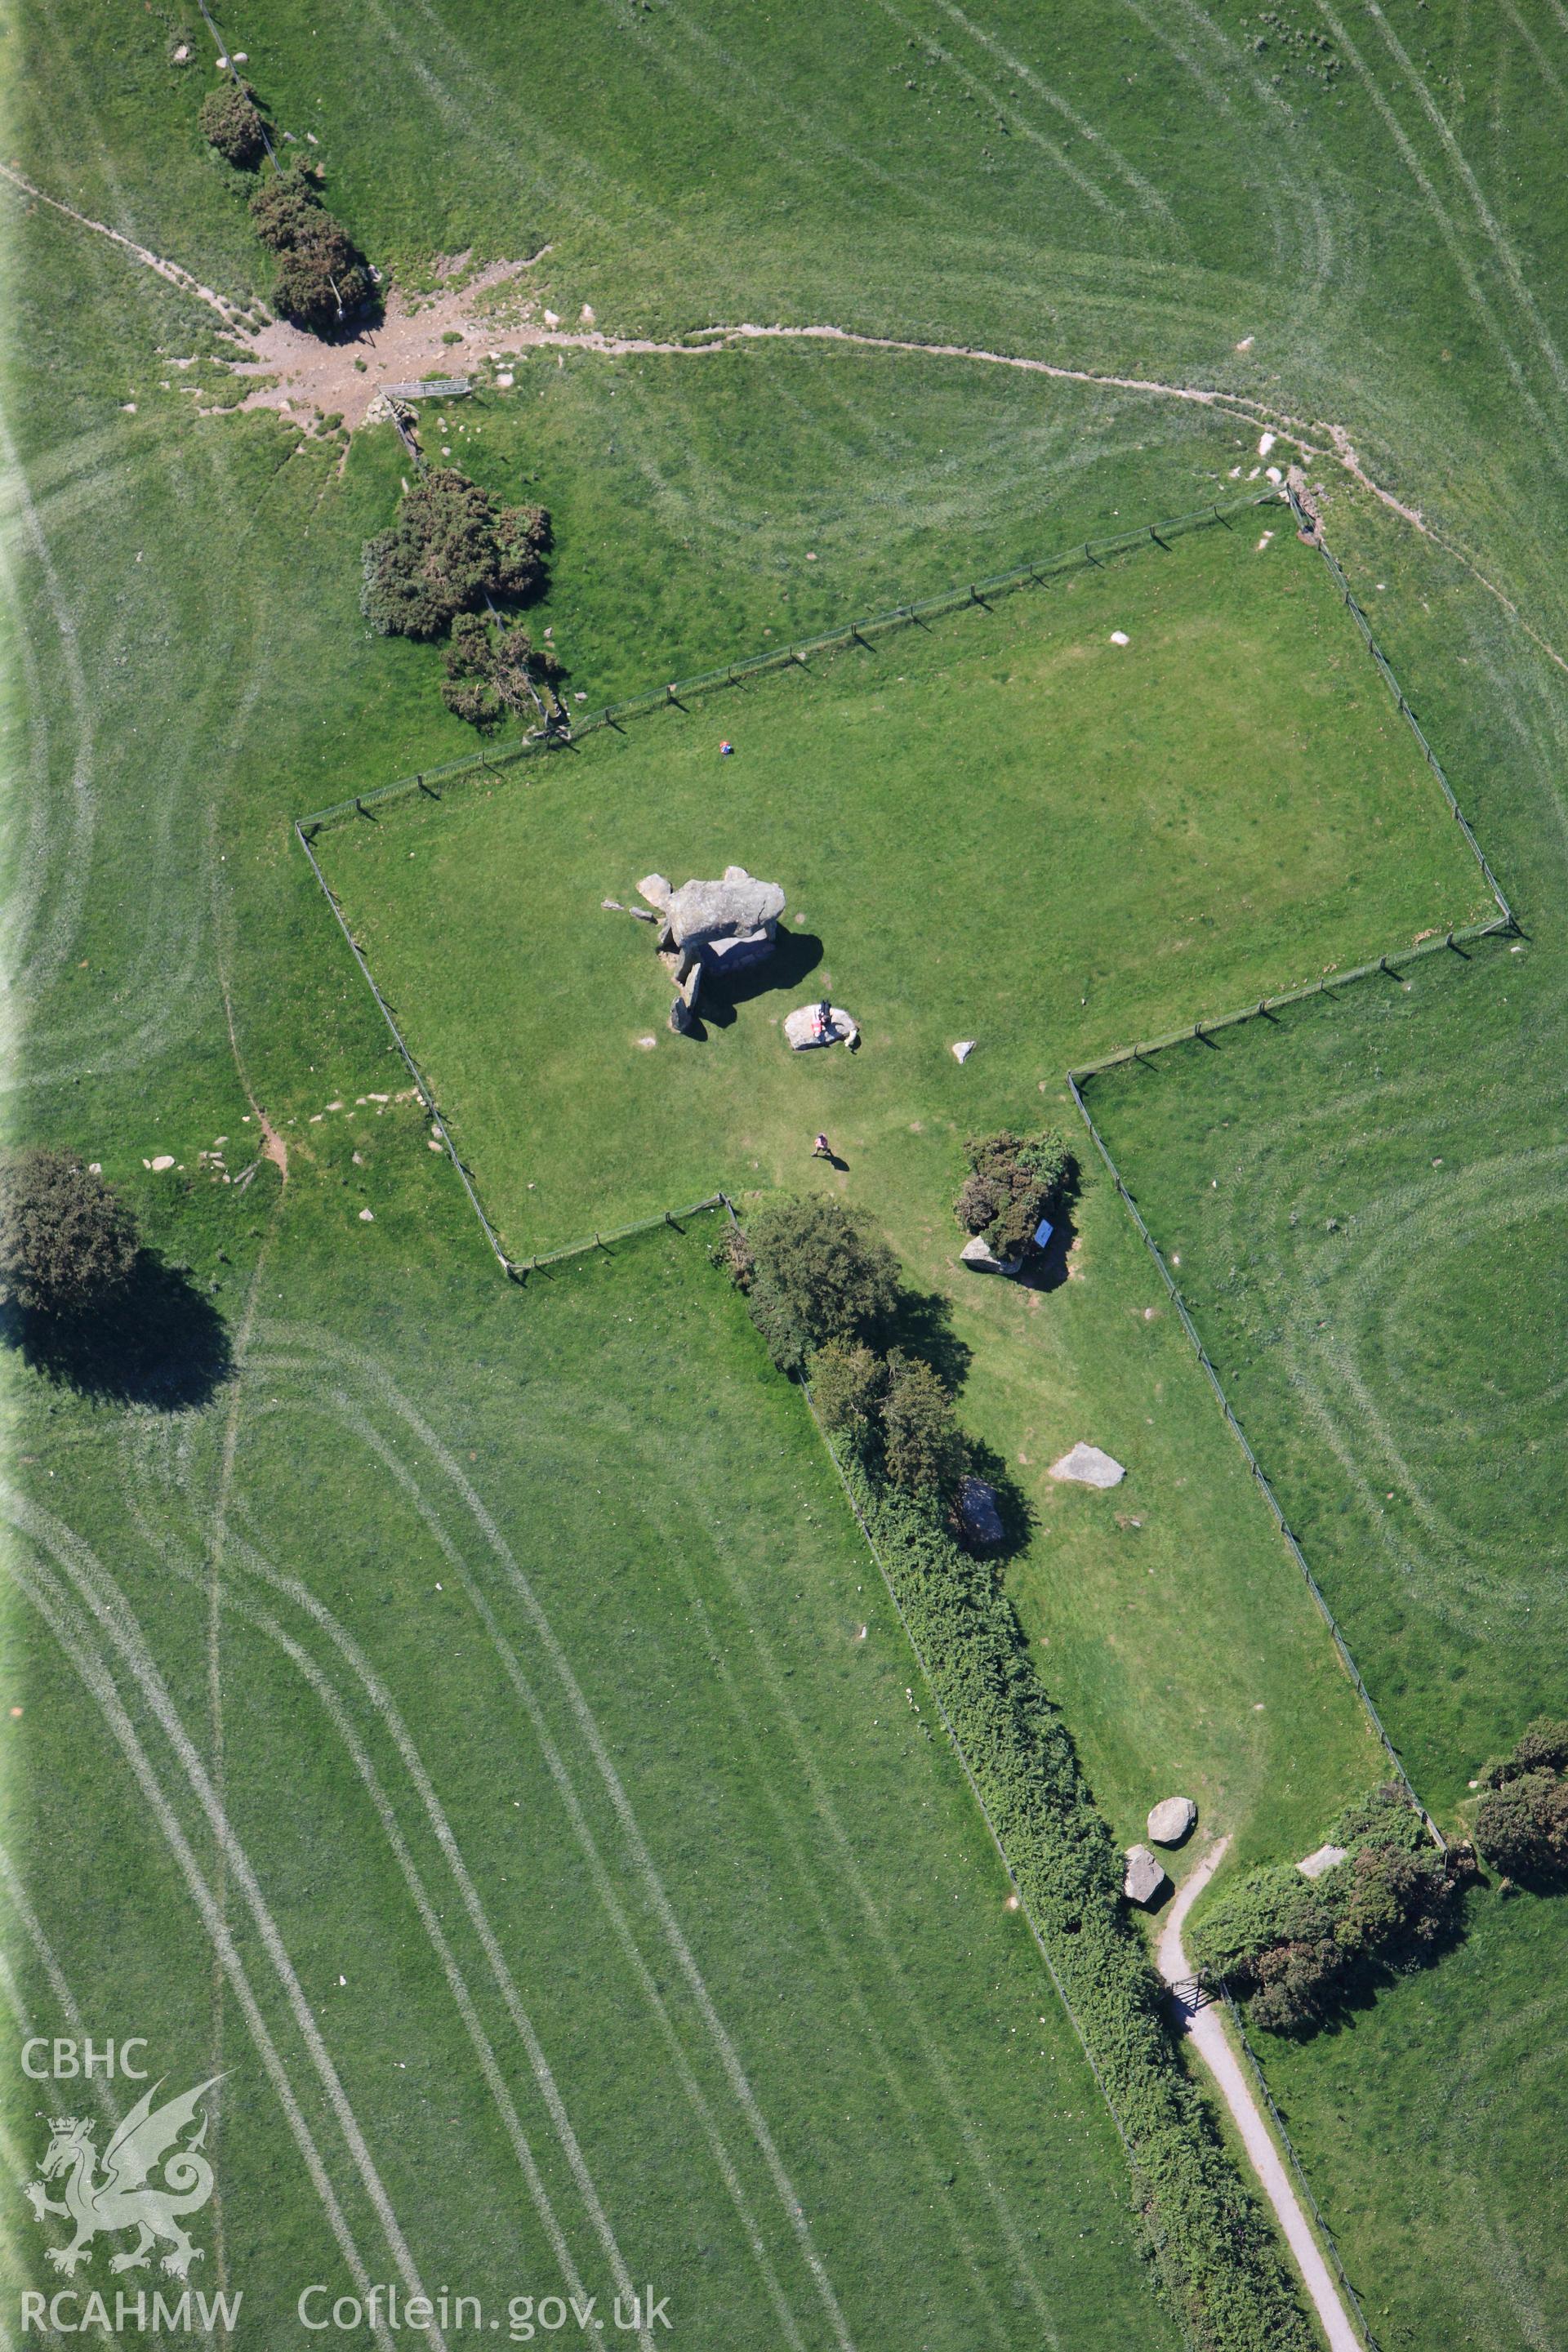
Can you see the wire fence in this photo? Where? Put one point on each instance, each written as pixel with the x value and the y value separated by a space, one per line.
pixel 1266 1006
pixel 415 1072
pixel 518 1268
pixel 1313 530
pixel 1258 1473
pixel 491 761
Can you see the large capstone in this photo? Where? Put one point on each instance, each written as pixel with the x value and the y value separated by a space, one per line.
pixel 725 927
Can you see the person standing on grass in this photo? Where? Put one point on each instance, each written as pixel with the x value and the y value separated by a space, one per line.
pixel 822 1149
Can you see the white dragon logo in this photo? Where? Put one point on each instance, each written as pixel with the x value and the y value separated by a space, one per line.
pixel 122 2198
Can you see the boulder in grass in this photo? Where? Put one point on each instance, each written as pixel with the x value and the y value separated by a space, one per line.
pixel 979 1256
pixel 1171 1820
pixel 1085 1465
pixel 805 1027
pixel 1322 1858
pixel 979 1520
pixel 1144 1876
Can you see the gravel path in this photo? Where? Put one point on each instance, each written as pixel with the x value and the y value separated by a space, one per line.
pixel 1204 2022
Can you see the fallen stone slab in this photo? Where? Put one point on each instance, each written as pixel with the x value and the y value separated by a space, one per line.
pixel 656 891
pixel 964 1048
pixel 1322 1858
pixel 1171 1820
pixel 979 1256
pixel 1085 1465
pixel 801 1031
pixel 1145 1875
pixel 978 1516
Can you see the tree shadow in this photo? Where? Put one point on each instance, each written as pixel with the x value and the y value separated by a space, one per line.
pixel 158 1341
pixel 1046 1269
pixel 921 1325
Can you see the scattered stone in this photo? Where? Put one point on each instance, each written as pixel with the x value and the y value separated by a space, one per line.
pixel 641 914
pixel 1085 1465
pixel 979 1256
pixel 367 1216
pixel 165 1159
pixel 1323 1858
pixel 612 906
pixel 1119 638
pixel 802 1030
pixel 979 1520
pixel 1145 1875
pixel 647 1043
pixel 964 1048
pixel 1171 1820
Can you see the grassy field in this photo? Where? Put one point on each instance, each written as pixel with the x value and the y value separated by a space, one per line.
pixel 1002 826
pixel 1367 1205
pixel 540 1822
pixel 1365 1198
pixel 1432 2125
pixel 1365 235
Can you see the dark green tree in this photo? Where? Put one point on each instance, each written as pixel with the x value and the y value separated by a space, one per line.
pixel 817 1275
pixel 849 1381
pixel 923 1445
pixel 65 1240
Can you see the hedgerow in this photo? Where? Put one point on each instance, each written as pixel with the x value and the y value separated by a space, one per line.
pixel 1214 2245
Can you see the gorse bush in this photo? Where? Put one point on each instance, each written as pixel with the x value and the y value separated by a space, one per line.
pixel 812 1274
pixel 1216 2251
pixel 1298 1947
pixel 453 543
pixel 65 1240
pixel 494 668
pixel 1014 1182
pixel 232 123
pixel 1521 1822
pixel 322 277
